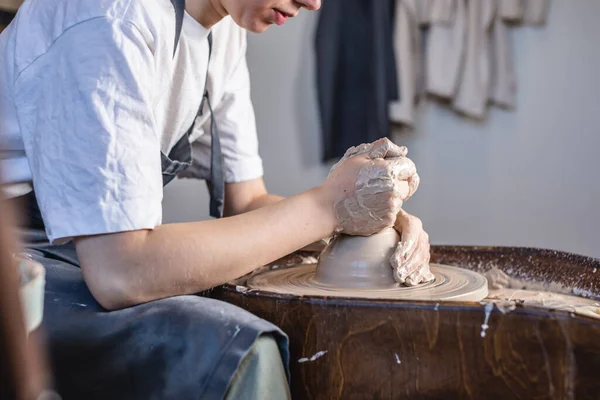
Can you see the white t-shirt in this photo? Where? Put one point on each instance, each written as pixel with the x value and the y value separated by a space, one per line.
pixel 91 92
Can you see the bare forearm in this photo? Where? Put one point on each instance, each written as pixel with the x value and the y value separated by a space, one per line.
pixel 187 258
pixel 263 201
pixel 132 267
pixel 247 196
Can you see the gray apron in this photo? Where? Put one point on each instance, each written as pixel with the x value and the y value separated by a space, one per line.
pixel 180 156
pixel 184 347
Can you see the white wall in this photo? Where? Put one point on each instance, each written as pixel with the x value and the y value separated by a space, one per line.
pixel 528 177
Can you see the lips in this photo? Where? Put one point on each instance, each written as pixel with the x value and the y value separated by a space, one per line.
pixel 280 17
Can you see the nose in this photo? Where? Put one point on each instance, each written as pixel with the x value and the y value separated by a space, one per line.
pixel 311 5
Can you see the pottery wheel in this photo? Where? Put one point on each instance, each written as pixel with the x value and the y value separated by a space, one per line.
pixel 450 284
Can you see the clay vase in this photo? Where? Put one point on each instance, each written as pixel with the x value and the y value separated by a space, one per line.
pixel 358 261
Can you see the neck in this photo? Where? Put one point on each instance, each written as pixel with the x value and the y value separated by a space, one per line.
pixel 206 12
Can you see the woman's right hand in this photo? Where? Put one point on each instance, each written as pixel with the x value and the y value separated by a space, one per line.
pixel 368 186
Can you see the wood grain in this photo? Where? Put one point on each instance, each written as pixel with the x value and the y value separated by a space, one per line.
pixel 424 350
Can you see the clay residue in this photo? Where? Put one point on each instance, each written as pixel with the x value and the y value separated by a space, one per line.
pixel 488 311
pixel 507 292
pixel 314 357
pixel 527 264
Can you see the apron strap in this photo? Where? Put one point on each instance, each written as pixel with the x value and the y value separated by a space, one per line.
pixel 216 185
pixel 217 179
pixel 179 14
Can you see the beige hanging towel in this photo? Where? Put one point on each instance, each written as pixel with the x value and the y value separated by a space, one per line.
pixel 423 11
pixel 535 12
pixel 442 11
pixel 474 88
pixel 511 10
pixel 445 49
pixel 407 50
pixel 504 81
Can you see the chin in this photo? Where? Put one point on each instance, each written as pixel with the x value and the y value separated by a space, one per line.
pixel 257 27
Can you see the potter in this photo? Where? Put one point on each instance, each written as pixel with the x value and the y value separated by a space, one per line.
pixel 105 102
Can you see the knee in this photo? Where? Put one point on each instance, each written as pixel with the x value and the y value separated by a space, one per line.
pixel 262 373
pixel 264 353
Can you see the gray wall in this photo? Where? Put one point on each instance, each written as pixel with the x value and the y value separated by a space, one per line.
pixel 528 177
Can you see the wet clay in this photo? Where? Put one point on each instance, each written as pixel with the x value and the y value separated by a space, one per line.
pixel 367 261
pixel 357 261
pixel 365 211
pixel 450 284
pixel 359 267
pixel 507 292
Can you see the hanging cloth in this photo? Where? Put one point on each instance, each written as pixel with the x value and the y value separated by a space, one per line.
pixel 511 10
pixel 407 51
pixel 474 86
pixel 446 47
pixel 535 12
pixel 504 80
pixel 356 73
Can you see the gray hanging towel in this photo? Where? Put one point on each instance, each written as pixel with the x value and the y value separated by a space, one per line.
pixel 356 72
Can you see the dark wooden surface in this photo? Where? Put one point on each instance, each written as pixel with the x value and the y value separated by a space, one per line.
pixel 390 350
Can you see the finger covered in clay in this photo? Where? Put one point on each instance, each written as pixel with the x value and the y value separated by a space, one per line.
pixel 376 200
pixel 382 148
pixel 405 270
pixel 413 185
pixel 412 234
pixel 421 275
pixel 384 182
pixel 410 259
pixel 385 148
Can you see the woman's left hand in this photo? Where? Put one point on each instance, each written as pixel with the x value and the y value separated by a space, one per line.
pixel 411 257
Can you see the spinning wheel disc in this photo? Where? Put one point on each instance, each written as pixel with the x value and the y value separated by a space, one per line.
pixel 450 284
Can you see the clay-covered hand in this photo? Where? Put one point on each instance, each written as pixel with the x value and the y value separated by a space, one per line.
pixel 411 257
pixel 369 185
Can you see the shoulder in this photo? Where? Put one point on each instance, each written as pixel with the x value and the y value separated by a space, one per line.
pixel 40 23
pixel 229 38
